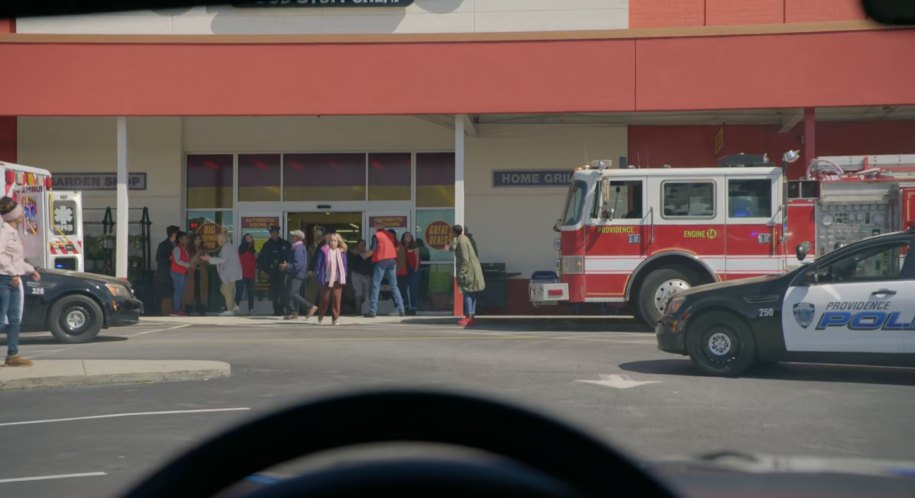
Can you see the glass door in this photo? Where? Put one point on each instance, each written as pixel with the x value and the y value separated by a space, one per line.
pixel 258 223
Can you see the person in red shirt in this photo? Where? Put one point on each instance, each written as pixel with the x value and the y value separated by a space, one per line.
pixel 248 255
pixel 408 271
pixel 384 256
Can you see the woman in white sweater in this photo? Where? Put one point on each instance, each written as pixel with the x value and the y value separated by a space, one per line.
pixel 228 265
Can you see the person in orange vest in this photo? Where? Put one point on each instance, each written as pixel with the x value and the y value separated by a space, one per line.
pixel 384 257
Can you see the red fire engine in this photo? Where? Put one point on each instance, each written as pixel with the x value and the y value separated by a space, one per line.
pixel 637 236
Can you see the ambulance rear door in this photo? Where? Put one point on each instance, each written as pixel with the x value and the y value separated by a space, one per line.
pixel 65 230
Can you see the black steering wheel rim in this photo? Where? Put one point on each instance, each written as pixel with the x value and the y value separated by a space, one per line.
pixel 528 438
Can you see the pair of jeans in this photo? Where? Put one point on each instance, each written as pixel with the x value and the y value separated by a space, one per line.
pixel 242 287
pixel 470 303
pixel 11 312
pixel 296 300
pixel 278 291
pixel 178 280
pixel 362 286
pixel 409 284
pixel 386 268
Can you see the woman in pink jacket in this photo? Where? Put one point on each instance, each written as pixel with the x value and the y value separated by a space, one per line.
pixel 13 267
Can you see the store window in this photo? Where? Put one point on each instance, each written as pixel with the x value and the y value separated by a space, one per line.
pixel 435 179
pixel 389 177
pixel 324 177
pixel 750 198
pixel 258 177
pixel 209 181
pixel 688 199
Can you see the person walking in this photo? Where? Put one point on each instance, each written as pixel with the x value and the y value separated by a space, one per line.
pixel 320 240
pixel 408 270
pixel 248 257
pixel 384 257
pixel 197 286
pixel 331 273
pixel 360 276
pixel 274 253
pixel 180 263
pixel 13 267
pixel 468 270
pixel 228 266
pixel 296 272
pixel 163 282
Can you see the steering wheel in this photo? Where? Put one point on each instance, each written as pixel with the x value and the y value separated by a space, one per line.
pixel 536 455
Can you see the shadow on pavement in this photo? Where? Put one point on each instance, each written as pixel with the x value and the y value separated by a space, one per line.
pixel 45 340
pixel 545 325
pixel 805 372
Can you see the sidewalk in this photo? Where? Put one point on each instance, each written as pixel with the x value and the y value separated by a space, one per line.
pixel 505 322
pixel 59 373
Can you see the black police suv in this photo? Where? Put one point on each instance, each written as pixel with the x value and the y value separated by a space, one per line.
pixel 853 305
pixel 75 306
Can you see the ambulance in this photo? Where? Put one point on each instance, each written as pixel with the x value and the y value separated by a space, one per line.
pixel 52 228
pixel 636 237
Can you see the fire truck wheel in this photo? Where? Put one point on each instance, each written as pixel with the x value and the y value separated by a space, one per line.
pixel 75 319
pixel 720 344
pixel 657 289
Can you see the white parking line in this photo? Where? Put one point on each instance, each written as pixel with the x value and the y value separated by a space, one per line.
pixel 119 415
pixel 58 476
pixel 166 329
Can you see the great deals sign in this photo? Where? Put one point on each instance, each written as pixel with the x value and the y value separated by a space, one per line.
pixel 438 235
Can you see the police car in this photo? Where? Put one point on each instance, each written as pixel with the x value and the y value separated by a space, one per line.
pixel 853 305
pixel 76 306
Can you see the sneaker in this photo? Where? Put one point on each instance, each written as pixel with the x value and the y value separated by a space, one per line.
pixel 369 315
pixel 335 322
pixel 17 361
pixel 401 313
pixel 320 319
pixel 411 313
pixel 291 316
pixel 463 322
pixel 470 321
pixel 311 312
pixel 236 311
pixel 227 313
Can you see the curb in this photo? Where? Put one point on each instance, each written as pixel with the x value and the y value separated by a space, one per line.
pixel 62 373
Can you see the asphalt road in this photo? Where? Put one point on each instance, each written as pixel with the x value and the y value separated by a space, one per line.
pixel 650 404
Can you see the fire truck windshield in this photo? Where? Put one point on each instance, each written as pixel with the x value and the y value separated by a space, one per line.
pixel 574 202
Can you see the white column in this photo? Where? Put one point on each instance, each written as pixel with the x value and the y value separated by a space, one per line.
pixel 458 169
pixel 123 218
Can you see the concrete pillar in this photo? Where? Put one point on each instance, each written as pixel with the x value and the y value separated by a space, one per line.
pixel 810 140
pixel 123 206
pixel 458 197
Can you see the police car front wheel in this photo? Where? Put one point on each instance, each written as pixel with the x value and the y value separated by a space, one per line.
pixel 75 319
pixel 720 344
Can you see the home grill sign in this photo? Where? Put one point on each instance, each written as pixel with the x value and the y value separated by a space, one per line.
pixel 532 178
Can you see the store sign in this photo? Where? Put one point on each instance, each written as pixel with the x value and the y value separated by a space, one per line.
pixel 389 221
pixel 259 228
pixel 532 178
pixel 263 222
pixel 97 181
pixel 323 3
pixel 208 232
pixel 438 235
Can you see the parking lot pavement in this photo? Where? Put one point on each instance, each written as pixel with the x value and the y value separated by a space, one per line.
pixel 613 383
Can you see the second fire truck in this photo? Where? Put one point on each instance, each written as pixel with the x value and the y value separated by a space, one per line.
pixel 637 236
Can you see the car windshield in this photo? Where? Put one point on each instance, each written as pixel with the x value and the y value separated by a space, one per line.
pixel 680 226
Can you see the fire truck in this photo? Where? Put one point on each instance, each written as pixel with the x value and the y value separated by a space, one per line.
pixel 52 231
pixel 637 236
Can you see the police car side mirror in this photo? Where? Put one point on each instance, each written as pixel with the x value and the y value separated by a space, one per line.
pixel 801 250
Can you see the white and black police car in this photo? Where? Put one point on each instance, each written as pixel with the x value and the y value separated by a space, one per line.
pixel 853 305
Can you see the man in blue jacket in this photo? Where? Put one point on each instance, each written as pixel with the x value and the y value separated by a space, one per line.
pixel 296 272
